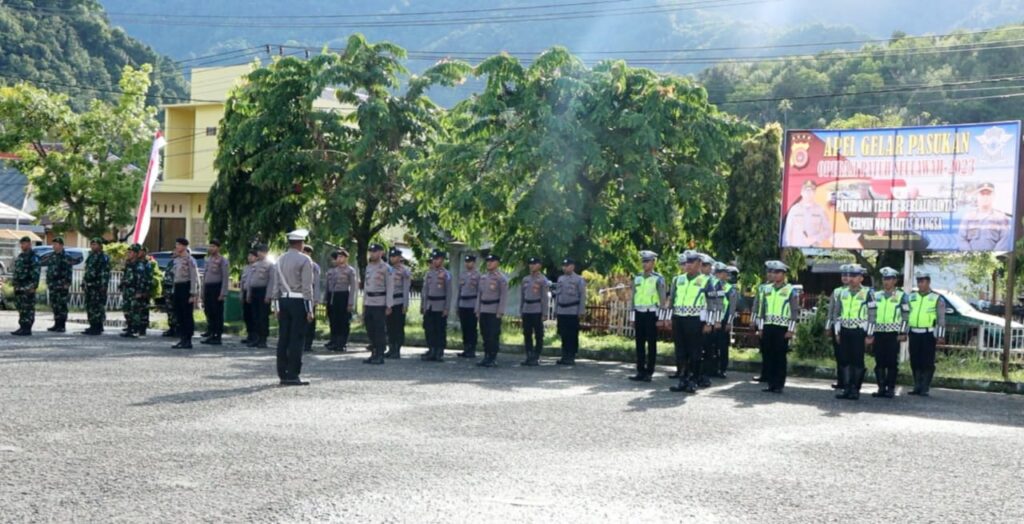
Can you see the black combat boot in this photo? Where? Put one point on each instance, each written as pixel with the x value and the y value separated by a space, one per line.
pixel 846 377
pixel 880 380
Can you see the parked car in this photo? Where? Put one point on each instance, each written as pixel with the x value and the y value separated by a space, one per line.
pixel 990 327
pixel 78 254
pixel 164 257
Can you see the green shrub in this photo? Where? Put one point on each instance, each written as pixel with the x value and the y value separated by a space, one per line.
pixel 811 340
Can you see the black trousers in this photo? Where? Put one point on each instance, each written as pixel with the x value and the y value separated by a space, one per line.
pixel 435 328
pixel 774 362
pixel 340 318
pixel 468 323
pixel 310 331
pixel 724 338
pixel 375 319
pixel 851 346
pixel 569 332
pixel 887 357
pixel 533 334
pixel 183 310
pixel 645 327
pixel 688 336
pixel 922 351
pixel 490 330
pixel 214 309
pixel 260 313
pixel 396 327
pixel 840 360
pixel 247 316
pixel 291 337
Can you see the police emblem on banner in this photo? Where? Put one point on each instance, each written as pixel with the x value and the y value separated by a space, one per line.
pixel 799 156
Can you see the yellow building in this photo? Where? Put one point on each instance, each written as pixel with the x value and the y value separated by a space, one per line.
pixel 179 198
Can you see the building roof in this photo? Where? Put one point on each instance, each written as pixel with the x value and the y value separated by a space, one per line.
pixel 12 185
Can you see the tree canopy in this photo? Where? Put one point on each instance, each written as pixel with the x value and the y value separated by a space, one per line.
pixel 85 169
pixel 558 159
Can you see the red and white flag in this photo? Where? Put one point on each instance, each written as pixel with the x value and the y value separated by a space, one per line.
pixel 144 215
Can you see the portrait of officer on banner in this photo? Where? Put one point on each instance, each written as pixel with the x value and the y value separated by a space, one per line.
pixel 807 223
pixel 984 228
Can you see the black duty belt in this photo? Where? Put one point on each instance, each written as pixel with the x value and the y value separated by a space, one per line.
pixel 377 294
pixel 570 304
pixel 471 297
pixel 489 302
pixel 531 301
pixel 397 295
pixel 442 297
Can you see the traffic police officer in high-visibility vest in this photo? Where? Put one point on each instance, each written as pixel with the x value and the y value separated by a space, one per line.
pixel 723 331
pixel 690 324
pixel 856 315
pixel 890 328
pixel 709 344
pixel 648 309
pixel 927 328
pixel 832 324
pixel 755 313
pixel 778 316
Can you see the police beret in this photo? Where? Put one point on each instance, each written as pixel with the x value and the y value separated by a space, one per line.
pixel 215 242
pixel 254 252
pixel 182 240
pixel 376 247
pixel 533 260
pixel 262 248
pixel 307 249
pixel 888 272
pixel 437 253
pixel 25 239
pixel 135 247
pixel 96 240
pixel 469 258
pixel 776 265
pixel 58 240
pixel 493 258
pixel 395 252
pixel 568 262
pixel 648 256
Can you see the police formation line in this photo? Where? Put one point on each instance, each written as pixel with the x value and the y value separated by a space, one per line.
pixel 699 306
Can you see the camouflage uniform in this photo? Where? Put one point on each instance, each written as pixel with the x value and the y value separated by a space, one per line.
pixel 143 284
pixel 95 282
pixel 25 280
pixel 58 282
pixel 127 292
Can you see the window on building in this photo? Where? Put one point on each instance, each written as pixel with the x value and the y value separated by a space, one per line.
pixel 211 131
pixel 163 232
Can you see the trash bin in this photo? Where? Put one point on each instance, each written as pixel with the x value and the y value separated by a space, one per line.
pixel 233 306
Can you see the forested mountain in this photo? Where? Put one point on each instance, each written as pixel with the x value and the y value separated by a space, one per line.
pixel 81 55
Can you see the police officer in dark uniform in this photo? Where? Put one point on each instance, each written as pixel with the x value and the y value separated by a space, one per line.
pixel 469 288
pixel 533 307
pixel 401 282
pixel 570 305
pixel 434 305
pixel 377 299
pixel 490 307
pixel 291 285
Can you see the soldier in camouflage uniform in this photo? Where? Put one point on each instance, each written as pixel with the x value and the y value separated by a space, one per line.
pixel 25 281
pixel 59 269
pixel 95 282
pixel 168 291
pixel 147 269
pixel 128 289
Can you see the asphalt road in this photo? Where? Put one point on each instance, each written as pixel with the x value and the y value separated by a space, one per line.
pixel 108 430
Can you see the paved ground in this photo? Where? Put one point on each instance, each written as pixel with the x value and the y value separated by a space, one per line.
pixel 99 429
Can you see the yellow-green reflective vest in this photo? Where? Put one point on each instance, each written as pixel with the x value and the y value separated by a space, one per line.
pixel 922 310
pixel 777 310
pixel 689 291
pixel 855 304
pixel 888 310
pixel 645 291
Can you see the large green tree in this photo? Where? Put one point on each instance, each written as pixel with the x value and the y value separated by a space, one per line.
pixel 85 169
pixel 286 161
pixel 749 231
pixel 557 159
